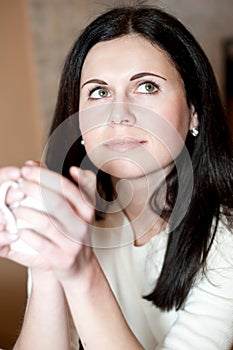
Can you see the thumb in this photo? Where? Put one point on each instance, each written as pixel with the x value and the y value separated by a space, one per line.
pixel 86 181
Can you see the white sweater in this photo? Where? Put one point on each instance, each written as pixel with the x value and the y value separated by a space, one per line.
pixel 205 322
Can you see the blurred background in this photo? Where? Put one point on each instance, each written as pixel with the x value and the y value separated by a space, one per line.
pixel 35 36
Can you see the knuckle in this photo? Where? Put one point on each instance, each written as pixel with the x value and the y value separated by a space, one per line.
pixel 65 185
pixel 47 225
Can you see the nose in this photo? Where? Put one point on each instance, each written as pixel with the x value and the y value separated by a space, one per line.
pixel 121 113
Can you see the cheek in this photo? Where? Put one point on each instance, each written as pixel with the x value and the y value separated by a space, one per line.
pixel 168 113
pixel 92 143
pixel 91 140
pixel 168 133
pixel 177 116
pixel 182 120
pixel 94 117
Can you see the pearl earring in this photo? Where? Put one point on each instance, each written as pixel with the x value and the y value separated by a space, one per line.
pixel 82 142
pixel 194 132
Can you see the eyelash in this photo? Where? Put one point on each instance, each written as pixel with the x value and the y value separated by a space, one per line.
pixel 91 91
pixel 156 86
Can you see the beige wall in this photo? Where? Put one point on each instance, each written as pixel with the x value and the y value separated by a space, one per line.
pixel 210 21
pixel 20 139
pixel 20 127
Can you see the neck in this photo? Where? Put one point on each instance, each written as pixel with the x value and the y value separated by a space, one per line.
pixel 134 197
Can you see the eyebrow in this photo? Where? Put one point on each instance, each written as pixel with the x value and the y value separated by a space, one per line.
pixel 96 81
pixel 134 77
pixel 143 74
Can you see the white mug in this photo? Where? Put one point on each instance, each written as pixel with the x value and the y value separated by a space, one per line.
pixel 14 225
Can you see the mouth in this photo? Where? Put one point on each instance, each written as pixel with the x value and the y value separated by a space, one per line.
pixel 124 144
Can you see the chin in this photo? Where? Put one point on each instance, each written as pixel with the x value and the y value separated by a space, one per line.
pixel 123 169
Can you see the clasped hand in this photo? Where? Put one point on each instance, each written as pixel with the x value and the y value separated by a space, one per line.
pixel 61 232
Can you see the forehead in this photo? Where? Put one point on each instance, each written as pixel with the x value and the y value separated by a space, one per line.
pixel 128 52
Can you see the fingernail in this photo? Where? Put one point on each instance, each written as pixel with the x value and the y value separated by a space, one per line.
pixel 75 170
pixel 31 162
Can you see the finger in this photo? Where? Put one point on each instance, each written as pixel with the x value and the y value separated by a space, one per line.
pixel 7 238
pixel 52 181
pixel 43 176
pixel 37 222
pixel 60 233
pixel 50 202
pixel 27 259
pixel 24 190
pixel 13 195
pixel 9 173
pixel 86 180
pixel 53 203
pixel 46 249
pixel 35 163
pixel 35 240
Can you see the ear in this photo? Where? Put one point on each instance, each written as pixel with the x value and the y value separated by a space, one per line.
pixel 194 122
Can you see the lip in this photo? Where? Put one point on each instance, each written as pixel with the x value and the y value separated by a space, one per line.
pixel 124 144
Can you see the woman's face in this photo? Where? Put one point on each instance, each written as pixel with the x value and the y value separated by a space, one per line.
pixel 134 116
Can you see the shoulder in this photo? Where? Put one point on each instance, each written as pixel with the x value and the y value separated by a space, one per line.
pixel 205 320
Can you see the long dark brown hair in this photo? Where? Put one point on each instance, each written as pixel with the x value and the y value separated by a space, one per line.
pixel 210 153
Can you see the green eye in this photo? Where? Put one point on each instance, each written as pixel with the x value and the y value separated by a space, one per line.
pixel 99 93
pixel 147 88
pixel 103 92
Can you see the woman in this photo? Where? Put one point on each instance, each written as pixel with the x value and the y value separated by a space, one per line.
pixel 146 263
